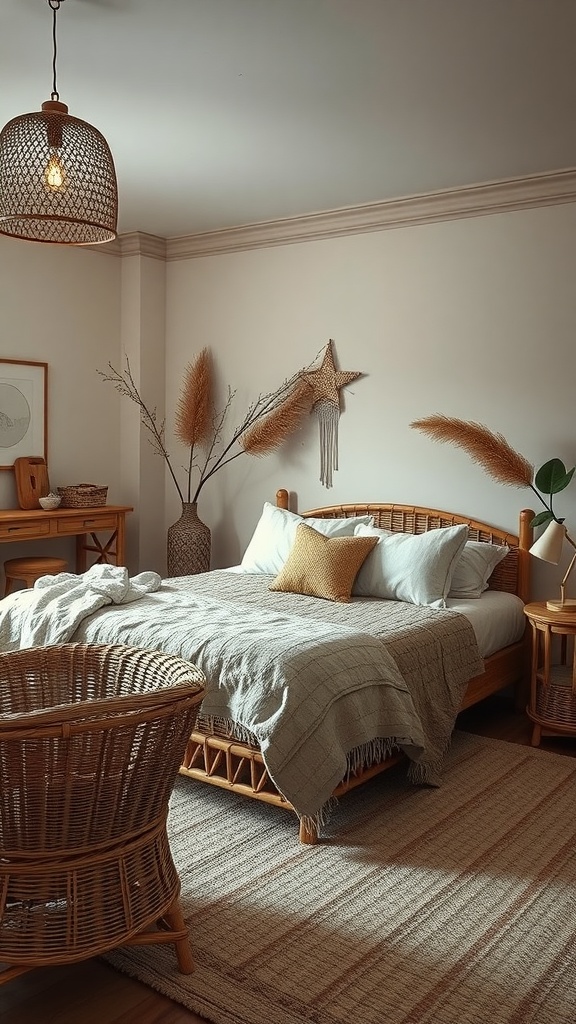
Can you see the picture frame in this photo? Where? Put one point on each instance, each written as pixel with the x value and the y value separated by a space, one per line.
pixel 23 410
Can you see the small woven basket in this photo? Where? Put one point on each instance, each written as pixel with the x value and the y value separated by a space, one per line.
pixel 557 701
pixel 82 496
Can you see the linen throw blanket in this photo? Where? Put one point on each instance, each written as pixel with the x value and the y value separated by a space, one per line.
pixel 49 613
pixel 310 680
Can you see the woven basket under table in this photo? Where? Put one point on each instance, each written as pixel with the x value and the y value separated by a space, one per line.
pixel 91 739
pixel 82 496
pixel 556 702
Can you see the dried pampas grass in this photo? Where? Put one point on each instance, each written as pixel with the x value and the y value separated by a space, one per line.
pixel 268 433
pixel 490 450
pixel 193 417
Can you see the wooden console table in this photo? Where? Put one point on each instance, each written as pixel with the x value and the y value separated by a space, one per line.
pixel 83 523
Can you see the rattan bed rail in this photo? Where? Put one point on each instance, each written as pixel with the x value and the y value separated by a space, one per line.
pixel 228 764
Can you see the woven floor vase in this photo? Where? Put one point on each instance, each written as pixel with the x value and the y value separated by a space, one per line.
pixel 189 543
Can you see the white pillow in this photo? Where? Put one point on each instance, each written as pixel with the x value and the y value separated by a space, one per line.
pixel 416 568
pixel 474 568
pixel 275 534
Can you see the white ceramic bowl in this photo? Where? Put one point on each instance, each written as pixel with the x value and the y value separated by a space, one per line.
pixel 51 501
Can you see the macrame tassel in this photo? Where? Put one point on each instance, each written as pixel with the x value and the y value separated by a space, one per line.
pixel 328 415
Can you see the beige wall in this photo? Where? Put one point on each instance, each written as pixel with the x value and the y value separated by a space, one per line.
pixel 62 306
pixel 143 316
pixel 473 318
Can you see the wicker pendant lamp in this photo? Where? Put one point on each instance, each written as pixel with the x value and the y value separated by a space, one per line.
pixel 57 176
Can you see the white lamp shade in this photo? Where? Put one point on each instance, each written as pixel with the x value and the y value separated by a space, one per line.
pixel 548 547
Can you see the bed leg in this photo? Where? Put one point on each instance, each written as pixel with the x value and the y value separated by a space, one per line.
pixel 308 834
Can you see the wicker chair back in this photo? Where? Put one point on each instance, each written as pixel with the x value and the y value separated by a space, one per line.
pixel 91 739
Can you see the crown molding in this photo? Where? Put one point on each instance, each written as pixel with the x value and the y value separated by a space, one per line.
pixel 135 243
pixel 504 196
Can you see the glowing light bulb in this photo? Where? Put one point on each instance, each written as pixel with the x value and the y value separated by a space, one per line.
pixel 54 174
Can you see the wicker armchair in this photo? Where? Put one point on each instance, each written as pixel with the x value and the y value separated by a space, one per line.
pixel 91 739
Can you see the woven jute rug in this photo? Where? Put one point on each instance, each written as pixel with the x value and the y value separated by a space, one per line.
pixel 454 905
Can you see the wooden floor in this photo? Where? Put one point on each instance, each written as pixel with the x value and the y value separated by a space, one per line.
pixel 93 993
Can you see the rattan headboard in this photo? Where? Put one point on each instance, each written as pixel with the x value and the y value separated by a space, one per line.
pixel 511 575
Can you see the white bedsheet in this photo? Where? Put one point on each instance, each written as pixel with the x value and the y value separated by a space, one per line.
pixel 497 619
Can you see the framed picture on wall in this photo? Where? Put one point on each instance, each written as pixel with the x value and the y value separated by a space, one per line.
pixel 23 410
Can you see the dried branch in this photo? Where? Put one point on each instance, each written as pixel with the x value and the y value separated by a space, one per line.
pixel 125 385
pixel 211 459
pixel 267 423
pixel 262 406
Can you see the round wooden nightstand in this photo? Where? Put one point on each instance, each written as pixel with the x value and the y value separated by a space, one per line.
pixel 552 705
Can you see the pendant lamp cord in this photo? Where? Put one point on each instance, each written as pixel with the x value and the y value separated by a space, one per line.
pixel 55 6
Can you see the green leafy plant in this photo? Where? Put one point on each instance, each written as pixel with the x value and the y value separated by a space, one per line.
pixel 550 479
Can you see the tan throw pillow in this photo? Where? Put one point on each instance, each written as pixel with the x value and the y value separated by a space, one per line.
pixel 320 566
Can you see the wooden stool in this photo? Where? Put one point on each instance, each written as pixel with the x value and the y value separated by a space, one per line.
pixel 30 569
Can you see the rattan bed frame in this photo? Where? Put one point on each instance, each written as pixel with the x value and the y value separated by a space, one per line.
pixel 233 765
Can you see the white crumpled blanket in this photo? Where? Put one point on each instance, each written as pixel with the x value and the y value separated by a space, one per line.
pixel 51 611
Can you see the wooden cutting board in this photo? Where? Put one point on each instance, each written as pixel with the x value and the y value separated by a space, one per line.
pixel 31 481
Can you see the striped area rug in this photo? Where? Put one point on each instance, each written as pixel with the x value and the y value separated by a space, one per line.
pixel 454 905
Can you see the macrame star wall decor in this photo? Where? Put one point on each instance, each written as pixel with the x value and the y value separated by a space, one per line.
pixel 326 383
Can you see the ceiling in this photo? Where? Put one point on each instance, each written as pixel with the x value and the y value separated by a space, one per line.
pixel 228 112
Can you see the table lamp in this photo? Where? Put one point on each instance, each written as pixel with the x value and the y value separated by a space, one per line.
pixel 548 547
